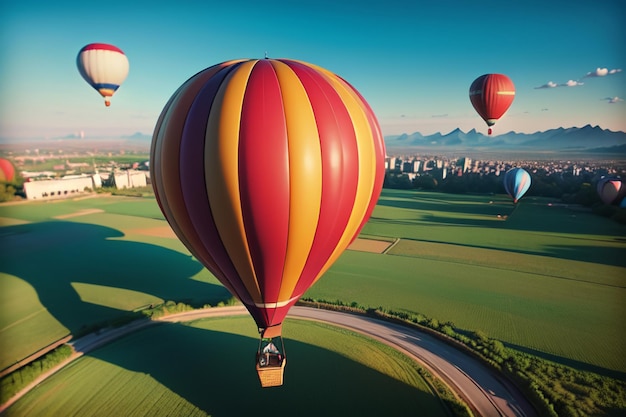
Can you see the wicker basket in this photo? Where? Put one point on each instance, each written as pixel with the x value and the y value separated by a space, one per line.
pixel 271 376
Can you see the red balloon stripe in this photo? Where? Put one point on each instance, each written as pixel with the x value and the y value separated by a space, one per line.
pixel 101 46
pixel 264 177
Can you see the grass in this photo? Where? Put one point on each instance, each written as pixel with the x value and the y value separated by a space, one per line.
pixel 207 368
pixel 26 325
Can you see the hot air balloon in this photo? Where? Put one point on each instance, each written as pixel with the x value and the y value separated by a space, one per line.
pixel 267 170
pixel 516 183
pixel 611 190
pixel 7 170
pixel 492 95
pixel 104 67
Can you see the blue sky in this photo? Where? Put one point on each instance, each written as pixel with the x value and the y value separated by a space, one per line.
pixel 413 61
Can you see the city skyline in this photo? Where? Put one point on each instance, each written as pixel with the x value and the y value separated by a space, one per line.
pixel 412 63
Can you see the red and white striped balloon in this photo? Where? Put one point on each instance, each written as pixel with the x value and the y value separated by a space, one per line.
pixel 104 67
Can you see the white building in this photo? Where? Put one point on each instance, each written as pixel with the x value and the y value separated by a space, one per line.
pixel 130 179
pixel 61 188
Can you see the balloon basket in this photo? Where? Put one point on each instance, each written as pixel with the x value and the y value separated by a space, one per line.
pixel 271 376
pixel 271 360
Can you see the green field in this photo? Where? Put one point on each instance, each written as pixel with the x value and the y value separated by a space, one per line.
pixel 547 279
pixel 207 367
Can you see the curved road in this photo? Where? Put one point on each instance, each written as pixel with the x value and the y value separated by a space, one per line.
pixel 480 388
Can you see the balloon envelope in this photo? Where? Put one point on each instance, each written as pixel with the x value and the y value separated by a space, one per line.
pixel 267 170
pixel 492 95
pixel 611 190
pixel 516 183
pixel 7 170
pixel 104 67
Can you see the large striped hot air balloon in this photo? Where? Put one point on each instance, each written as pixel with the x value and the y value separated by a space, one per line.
pixel 267 170
pixel 104 67
pixel 7 170
pixel 492 95
pixel 611 190
pixel 516 183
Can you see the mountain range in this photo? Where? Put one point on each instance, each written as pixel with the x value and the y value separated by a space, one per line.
pixel 587 138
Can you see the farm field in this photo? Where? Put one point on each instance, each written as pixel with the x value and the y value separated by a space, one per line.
pixel 541 277
pixel 207 368
pixel 548 279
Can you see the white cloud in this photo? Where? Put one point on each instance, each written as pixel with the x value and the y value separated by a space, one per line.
pixel 602 72
pixel 549 84
pixel 571 83
pixel 613 100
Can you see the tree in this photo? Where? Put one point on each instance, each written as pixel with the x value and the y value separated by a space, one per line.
pixel 425 182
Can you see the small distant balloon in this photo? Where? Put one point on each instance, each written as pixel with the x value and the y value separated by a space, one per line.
pixel 7 170
pixel 492 95
pixel 516 183
pixel 612 190
pixel 104 67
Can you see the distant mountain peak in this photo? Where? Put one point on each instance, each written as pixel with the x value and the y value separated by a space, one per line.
pixel 559 139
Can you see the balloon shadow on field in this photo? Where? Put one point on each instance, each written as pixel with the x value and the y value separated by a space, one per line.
pixel 56 256
pixel 215 371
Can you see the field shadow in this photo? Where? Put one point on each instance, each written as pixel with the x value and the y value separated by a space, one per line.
pixel 215 371
pixel 605 255
pixel 596 254
pixel 530 214
pixel 572 223
pixel 570 362
pixel 51 256
pixel 451 203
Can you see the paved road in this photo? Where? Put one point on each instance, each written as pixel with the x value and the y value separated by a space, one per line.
pixel 488 395
pixel 483 391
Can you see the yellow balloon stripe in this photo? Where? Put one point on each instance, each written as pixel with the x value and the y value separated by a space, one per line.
pixel 222 173
pixel 305 176
pixel 367 164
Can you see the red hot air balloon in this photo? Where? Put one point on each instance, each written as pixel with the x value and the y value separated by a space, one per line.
pixel 492 95
pixel 7 170
pixel 267 170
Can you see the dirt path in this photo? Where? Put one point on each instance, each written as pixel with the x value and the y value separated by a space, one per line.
pixel 79 213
